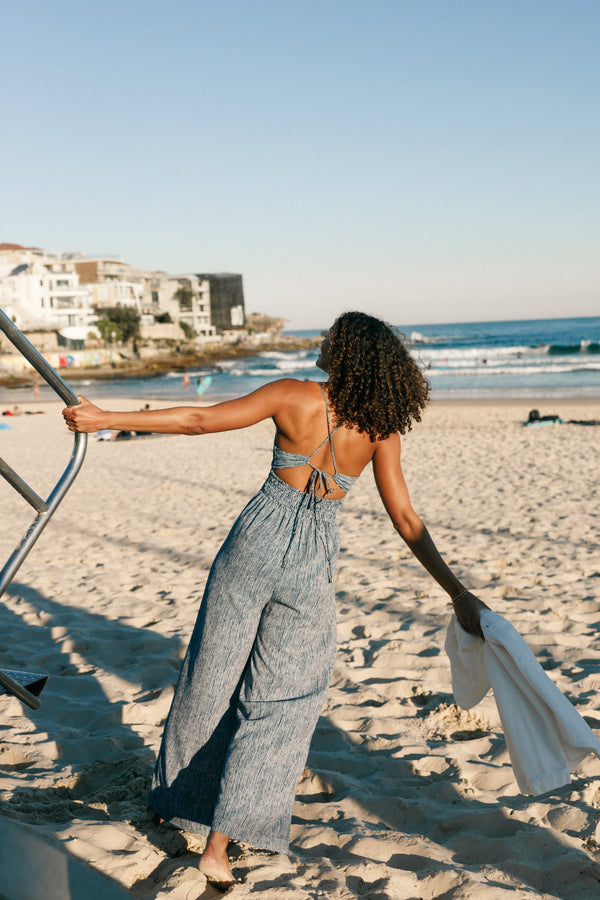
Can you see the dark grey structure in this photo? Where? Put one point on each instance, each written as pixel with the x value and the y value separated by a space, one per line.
pixel 227 309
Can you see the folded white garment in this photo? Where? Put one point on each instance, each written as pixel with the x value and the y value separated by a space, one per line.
pixel 545 735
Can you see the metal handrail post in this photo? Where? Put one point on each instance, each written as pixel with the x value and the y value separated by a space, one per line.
pixel 13 687
pixel 46 508
pixel 13 563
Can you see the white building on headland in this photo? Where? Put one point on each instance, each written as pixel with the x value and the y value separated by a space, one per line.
pixel 182 299
pixel 46 291
pixel 112 282
pixel 41 291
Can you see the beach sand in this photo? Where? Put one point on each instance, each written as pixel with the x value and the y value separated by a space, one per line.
pixel 404 795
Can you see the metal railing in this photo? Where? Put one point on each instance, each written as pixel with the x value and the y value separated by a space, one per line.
pixel 43 508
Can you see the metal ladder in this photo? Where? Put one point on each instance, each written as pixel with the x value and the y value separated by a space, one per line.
pixel 27 685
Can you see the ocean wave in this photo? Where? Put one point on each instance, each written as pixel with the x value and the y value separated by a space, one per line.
pixel 569 349
pixel 480 352
pixel 191 373
pixel 293 365
pixel 274 372
pixel 284 354
pixel 415 337
pixel 226 364
pixel 512 370
pixel 270 365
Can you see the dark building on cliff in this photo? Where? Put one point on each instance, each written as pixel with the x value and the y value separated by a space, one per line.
pixel 226 301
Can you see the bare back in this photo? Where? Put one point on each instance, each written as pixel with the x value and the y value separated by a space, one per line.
pixel 302 427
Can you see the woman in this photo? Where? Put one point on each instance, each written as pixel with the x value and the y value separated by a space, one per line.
pixel 261 655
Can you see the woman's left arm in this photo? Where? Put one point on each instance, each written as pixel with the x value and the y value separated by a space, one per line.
pixel 394 494
pixel 261 404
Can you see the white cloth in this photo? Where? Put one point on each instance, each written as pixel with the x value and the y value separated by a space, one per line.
pixel 545 735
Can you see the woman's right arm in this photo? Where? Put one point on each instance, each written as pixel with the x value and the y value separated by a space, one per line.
pixel 394 494
pixel 263 403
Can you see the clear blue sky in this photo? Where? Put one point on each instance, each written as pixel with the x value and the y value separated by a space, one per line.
pixel 427 161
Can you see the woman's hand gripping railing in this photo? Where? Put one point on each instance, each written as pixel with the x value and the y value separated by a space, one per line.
pixel 43 508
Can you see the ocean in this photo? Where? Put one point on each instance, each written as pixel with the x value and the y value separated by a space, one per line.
pixel 534 358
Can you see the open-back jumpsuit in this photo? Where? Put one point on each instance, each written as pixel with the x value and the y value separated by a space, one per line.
pixel 258 665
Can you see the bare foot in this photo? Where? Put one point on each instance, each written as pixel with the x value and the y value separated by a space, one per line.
pixel 214 863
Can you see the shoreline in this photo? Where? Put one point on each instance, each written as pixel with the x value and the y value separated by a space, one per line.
pixel 160 362
pixel 570 409
pixel 564 406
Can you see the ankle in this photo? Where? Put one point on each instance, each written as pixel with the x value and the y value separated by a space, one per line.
pixel 217 843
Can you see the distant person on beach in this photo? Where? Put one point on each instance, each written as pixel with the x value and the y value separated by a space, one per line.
pixel 114 434
pixel 535 418
pixel 204 382
pixel 185 381
pixel 262 652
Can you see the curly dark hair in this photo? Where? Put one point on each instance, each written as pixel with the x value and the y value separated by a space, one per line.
pixel 374 385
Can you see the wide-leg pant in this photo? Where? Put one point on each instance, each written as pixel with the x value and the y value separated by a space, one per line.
pixel 256 672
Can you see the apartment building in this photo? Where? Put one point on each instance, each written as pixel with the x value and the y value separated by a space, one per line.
pixel 113 282
pixel 186 298
pixel 226 293
pixel 42 291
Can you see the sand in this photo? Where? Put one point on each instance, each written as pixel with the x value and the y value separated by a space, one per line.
pixel 404 795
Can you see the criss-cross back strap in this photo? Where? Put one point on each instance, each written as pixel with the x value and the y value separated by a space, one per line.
pixel 330 433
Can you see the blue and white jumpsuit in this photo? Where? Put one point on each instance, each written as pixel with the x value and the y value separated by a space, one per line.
pixel 258 665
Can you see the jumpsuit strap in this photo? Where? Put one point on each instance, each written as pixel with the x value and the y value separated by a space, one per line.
pixel 330 433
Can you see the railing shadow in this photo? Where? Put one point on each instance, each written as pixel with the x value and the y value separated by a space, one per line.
pixel 109 762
